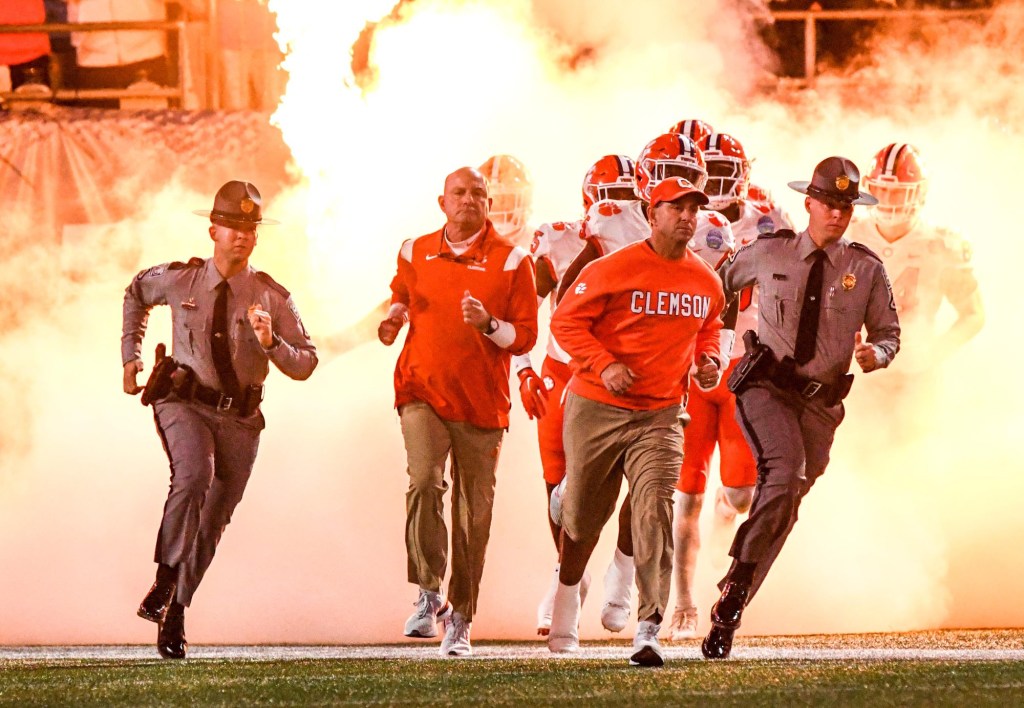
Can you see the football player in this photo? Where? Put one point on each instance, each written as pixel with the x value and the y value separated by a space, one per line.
pixel 511 197
pixel 927 264
pixel 695 129
pixel 554 247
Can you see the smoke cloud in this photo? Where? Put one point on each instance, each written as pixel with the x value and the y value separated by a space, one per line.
pixel 908 529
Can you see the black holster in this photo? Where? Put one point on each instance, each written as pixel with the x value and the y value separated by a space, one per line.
pixel 756 363
pixel 160 384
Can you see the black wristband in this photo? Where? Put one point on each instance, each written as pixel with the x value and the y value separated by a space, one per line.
pixel 492 326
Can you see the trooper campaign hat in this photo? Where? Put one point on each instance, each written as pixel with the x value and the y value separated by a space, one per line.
pixel 237 203
pixel 835 178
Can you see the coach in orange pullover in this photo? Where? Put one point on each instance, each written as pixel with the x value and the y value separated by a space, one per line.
pixel 470 300
pixel 634 322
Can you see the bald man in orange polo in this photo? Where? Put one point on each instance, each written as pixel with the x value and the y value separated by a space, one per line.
pixel 470 299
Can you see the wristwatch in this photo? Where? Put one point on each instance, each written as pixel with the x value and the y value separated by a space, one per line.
pixel 492 326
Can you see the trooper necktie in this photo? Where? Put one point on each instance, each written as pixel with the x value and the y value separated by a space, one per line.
pixel 807 333
pixel 221 346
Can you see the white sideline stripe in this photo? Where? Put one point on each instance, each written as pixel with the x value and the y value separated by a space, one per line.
pixel 690 652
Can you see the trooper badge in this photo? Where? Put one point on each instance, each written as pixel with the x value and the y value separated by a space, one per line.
pixel 849 281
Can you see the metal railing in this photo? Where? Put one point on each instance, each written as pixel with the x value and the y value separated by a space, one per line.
pixel 810 18
pixel 175 92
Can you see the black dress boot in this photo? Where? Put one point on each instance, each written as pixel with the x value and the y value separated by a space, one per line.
pixel 725 619
pixel 157 600
pixel 170 640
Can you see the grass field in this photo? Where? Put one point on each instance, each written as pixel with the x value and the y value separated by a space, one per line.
pixel 934 668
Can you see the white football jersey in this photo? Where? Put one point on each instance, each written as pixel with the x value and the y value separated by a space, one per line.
pixel 612 224
pixel 558 243
pixel 755 218
pixel 927 264
pixel 714 239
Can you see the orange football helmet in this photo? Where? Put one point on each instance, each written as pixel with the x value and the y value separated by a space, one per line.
pixel 899 182
pixel 611 177
pixel 511 193
pixel 728 170
pixel 695 129
pixel 669 155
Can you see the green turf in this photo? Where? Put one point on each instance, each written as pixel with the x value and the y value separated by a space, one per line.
pixel 510 682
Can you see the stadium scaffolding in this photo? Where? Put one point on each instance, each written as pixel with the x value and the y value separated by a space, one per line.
pixel 810 19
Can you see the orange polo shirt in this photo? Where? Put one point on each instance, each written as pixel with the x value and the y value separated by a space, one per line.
pixel 445 362
pixel 652 314
pixel 21 48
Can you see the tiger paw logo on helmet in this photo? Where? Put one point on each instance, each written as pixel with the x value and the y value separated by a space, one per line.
pixel 581 288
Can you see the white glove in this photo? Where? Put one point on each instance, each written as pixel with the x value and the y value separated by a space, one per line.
pixel 726 342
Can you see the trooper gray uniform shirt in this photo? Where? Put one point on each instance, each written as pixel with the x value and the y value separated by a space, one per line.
pixel 211 449
pixel 856 292
pixel 789 432
pixel 190 291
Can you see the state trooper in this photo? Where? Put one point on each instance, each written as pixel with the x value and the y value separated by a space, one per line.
pixel 229 322
pixel 816 292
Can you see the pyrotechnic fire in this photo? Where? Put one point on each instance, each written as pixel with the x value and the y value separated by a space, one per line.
pixel 449 82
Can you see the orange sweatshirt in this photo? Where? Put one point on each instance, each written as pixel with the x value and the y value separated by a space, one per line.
pixel 652 314
pixel 446 363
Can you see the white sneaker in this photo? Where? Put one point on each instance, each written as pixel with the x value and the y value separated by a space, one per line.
pixel 565 620
pixel 647 650
pixel 423 622
pixel 618 584
pixel 456 636
pixel 684 623
pixel 546 604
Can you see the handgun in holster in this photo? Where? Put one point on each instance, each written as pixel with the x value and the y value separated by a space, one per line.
pixel 160 383
pixel 754 365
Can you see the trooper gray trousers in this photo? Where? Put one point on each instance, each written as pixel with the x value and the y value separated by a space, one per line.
pixel 211 454
pixel 791 438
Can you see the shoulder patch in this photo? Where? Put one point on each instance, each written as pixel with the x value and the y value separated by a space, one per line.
pixel 861 247
pixel 273 284
pixel 781 233
pixel 158 270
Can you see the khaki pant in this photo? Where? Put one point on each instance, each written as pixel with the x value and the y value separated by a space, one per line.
pixel 474 451
pixel 603 444
pixel 211 456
